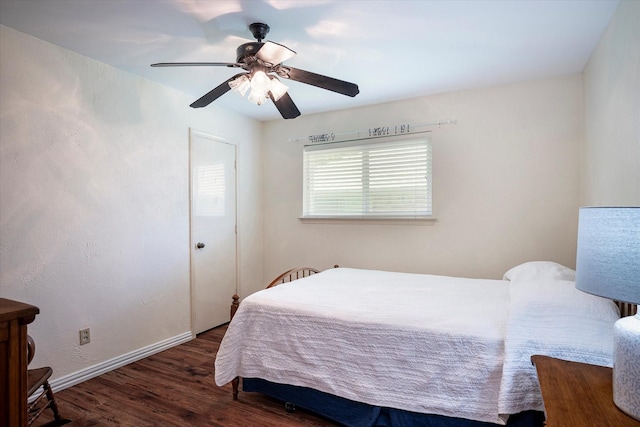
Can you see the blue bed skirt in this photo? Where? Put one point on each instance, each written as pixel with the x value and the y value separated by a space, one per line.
pixel 355 414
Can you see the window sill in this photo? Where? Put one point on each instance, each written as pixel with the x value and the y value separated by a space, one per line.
pixel 387 220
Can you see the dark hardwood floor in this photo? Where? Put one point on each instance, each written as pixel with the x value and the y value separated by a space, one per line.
pixel 173 388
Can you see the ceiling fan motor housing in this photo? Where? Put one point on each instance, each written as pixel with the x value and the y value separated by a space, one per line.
pixel 247 50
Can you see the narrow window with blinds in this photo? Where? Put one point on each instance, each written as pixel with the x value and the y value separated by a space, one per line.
pixel 355 180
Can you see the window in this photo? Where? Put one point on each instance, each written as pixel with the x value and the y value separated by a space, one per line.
pixel 209 190
pixel 375 180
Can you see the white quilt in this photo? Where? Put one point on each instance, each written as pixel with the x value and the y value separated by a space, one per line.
pixel 431 344
pixel 382 338
pixel 552 318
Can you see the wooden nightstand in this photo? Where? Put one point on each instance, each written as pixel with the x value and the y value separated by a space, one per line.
pixel 577 394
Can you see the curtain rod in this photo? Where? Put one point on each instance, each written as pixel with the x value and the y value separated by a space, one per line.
pixel 376 132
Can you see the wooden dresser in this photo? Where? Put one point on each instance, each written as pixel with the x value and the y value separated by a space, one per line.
pixel 14 318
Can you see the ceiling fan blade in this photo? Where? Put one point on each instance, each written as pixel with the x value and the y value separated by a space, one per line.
pixel 214 94
pixel 274 53
pixel 324 82
pixel 196 64
pixel 285 105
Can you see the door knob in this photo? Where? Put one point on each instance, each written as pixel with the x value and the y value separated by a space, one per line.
pixel 200 245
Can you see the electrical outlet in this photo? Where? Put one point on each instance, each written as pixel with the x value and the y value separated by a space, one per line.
pixel 85 336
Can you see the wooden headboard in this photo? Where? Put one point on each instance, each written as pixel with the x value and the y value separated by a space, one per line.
pixel 293 274
pixel 627 309
pixel 287 276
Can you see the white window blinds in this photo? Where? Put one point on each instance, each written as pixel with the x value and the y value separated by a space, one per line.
pixel 373 180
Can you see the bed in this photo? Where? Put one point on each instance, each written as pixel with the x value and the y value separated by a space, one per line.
pixel 369 348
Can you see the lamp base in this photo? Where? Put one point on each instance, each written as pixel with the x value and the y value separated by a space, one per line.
pixel 626 365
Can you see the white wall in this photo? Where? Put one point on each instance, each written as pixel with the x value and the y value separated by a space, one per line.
pixel 611 79
pixel 94 201
pixel 506 185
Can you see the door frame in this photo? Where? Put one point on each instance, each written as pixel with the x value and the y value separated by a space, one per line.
pixel 192 240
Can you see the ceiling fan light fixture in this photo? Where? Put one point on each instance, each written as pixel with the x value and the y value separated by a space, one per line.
pixel 257 97
pixel 260 82
pixel 261 85
pixel 240 84
pixel 277 88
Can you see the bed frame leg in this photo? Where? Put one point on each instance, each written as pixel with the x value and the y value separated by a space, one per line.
pixel 234 384
pixel 234 306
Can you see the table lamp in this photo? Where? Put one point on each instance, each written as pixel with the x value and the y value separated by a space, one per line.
pixel 608 265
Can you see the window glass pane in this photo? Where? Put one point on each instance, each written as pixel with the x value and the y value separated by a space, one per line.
pixel 209 190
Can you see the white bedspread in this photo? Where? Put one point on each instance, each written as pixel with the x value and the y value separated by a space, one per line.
pixel 552 318
pixel 382 338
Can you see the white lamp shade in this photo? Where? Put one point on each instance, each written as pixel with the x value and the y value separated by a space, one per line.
pixel 277 89
pixel 608 265
pixel 608 259
pixel 260 82
pixel 240 84
pixel 257 97
pixel 260 86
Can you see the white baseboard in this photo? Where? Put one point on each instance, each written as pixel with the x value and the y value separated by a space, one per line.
pixel 109 365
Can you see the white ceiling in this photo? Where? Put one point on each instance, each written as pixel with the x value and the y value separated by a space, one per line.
pixel 391 49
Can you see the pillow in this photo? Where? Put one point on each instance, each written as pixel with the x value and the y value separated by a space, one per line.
pixel 540 270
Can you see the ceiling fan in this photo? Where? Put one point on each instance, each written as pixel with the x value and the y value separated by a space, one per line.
pixel 263 63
